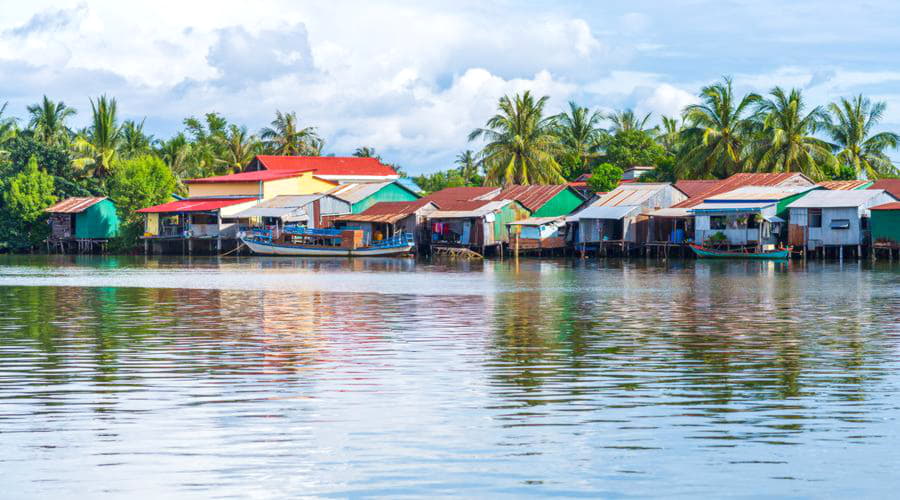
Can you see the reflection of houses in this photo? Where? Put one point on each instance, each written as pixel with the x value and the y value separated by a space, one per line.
pixel 886 228
pixel 474 224
pixel 834 219
pixel 310 210
pixel 752 215
pixel 82 224
pixel 387 218
pixel 618 219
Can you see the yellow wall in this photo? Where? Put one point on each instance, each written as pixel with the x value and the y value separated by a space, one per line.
pixel 303 184
pixel 152 224
pixel 223 189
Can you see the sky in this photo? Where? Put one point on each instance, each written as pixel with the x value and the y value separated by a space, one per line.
pixel 412 79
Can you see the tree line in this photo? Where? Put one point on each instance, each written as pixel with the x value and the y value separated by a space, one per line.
pixel 722 134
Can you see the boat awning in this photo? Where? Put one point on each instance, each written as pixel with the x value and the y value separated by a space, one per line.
pixel 606 212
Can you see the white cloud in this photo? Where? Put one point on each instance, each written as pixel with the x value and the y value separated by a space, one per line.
pixel 667 100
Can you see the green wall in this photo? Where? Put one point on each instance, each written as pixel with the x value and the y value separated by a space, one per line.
pixel 564 203
pixel 391 192
pixel 510 213
pixel 99 221
pixel 885 224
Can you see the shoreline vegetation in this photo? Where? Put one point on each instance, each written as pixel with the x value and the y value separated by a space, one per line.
pixel 43 160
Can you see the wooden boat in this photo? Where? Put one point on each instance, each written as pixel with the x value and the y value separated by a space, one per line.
pixel 711 253
pixel 310 242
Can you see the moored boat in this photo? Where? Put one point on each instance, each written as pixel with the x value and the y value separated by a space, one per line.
pixel 311 242
pixel 711 253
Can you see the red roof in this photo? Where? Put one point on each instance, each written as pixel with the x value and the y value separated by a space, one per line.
pixel 74 205
pixel 894 205
pixel 467 193
pixel 257 176
pixel 696 187
pixel 463 205
pixel 395 207
pixel 328 165
pixel 196 205
pixel 741 180
pixel 531 197
pixel 890 185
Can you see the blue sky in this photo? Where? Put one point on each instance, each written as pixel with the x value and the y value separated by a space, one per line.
pixel 413 78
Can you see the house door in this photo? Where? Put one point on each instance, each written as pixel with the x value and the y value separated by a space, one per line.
pixel 795 235
pixel 466 230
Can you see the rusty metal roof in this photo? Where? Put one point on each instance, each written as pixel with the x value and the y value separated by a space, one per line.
pixel 894 205
pixel 745 179
pixel 389 212
pixel 694 188
pixel 74 205
pixel 467 193
pixel 532 197
pixel 844 185
pixel 890 185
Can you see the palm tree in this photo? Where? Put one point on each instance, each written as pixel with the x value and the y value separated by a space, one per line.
pixel 365 152
pixel 134 141
pixel 8 129
pixel 787 143
pixel 521 146
pixel 98 145
pixel 48 121
pixel 717 131
pixel 176 153
pixel 580 132
pixel 284 137
pixel 625 120
pixel 468 165
pixel 669 135
pixel 850 125
pixel 238 147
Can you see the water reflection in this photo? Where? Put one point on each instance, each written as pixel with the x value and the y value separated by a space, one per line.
pixel 388 376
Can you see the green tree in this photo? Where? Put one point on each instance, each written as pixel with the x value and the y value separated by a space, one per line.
pixel 851 124
pixel 175 152
pixel 8 130
pixel 48 122
pixel 140 182
pixel 580 132
pixel 467 165
pixel 25 197
pixel 365 152
pixel 286 137
pixel 627 121
pixel 633 148
pixel 98 147
pixel 238 148
pixel 787 141
pixel 669 134
pixel 718 130
pixel 134 141
pixel 521 146
pixel 604 178
pixel 56 161
pixel 206 148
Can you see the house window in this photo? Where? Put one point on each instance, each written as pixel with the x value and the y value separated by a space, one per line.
pixel 718 222
pixel 815 217
pixel 840 224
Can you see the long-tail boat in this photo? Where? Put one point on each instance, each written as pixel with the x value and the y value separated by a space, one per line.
pixel 313 242
pixel 712 253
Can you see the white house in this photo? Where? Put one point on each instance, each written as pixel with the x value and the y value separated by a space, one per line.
pixel 621 214
pixel 833 218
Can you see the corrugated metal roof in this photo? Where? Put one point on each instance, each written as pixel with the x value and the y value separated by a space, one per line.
pixel 532 197
pixel 467 209
pixel 629 194
pixel 744 179
pixel 606 212
pixel 356 192
pixel 388 212
pixel 670 212
pixel 694 188
pixel 894 205
pixel 739 206
pixel 890 185
pixel 467 193
pixel 291 201
pixel 74 205
pixel 257 176
pixel 759 193
pixel 195 205
pixel 329 165
pixel 844 185
pixel 837 199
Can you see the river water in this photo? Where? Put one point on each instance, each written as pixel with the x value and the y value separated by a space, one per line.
pixel 253 377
